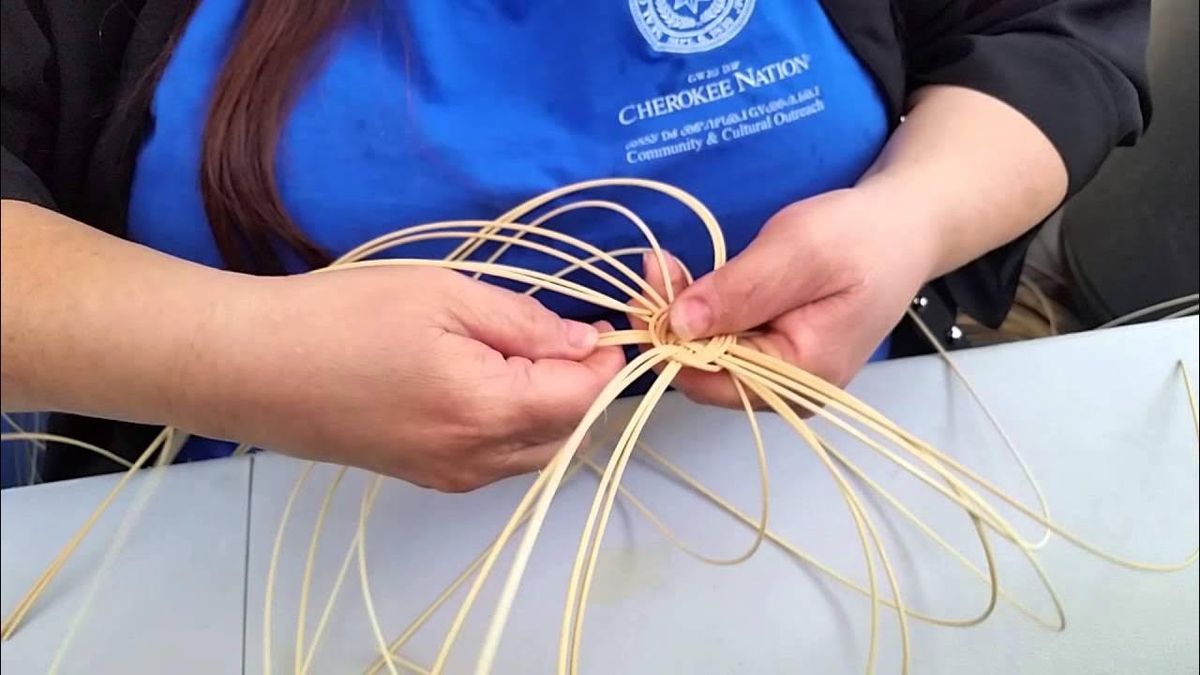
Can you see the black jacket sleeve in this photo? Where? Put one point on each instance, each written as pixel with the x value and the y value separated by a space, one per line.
pixel 27 105
pixel 59 77
pixel 1075 68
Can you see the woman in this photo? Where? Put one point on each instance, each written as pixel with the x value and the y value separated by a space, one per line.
pixel 170 165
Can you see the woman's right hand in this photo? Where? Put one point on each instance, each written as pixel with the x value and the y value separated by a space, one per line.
pixel 421 374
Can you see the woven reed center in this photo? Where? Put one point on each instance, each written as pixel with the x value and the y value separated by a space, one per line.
pixel 699 354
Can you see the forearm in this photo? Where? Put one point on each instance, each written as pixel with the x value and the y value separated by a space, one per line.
pixel 96 325
pixel 964 174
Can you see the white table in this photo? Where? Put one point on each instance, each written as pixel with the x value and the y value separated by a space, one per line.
pixel 168 600
pixel 1101 419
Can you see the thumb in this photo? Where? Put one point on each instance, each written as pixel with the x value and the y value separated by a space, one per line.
pixel 518 325
pixel 677 277
pixel 755 287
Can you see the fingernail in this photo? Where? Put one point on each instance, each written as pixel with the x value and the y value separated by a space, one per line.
pixel 581 335
pixel 647 262
pixel 690 318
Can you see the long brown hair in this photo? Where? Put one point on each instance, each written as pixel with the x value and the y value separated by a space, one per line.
pixel 276 47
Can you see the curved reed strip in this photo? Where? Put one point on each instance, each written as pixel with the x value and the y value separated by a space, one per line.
pixel 13 620
pixel 713 356
pixel 783 387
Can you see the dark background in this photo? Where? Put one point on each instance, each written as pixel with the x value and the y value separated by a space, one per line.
pixel 1129 239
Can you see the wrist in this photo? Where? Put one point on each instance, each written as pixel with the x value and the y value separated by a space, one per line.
pixel 965 173
pixel 907 226
pixel 217 367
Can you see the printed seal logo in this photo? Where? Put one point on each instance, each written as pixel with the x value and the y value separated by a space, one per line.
pixel 690 26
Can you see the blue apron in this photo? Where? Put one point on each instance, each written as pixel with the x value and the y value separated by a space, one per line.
pixel 428 111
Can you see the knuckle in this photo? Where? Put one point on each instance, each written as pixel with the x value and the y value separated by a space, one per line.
pixel 504 413
pixel 477 407
pixel 544 427
pixel 456 484
pixel 842 370
pixel 473 429
pixel 458 479
pixel 531 312
pixel 487 421
pixel 471 414
pixel 544 453
pixel 461 416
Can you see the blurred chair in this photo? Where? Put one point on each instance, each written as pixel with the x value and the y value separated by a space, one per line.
pixel 1130 239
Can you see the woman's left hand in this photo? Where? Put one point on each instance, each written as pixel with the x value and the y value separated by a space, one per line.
pixel 828 277
pixel 822 285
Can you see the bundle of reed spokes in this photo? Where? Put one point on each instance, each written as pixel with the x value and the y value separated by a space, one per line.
pixel 761 381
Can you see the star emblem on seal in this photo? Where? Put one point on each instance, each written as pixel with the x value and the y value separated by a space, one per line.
pixel 693 5
pixel 682 27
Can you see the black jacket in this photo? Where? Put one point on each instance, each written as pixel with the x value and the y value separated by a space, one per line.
pixel 77 79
